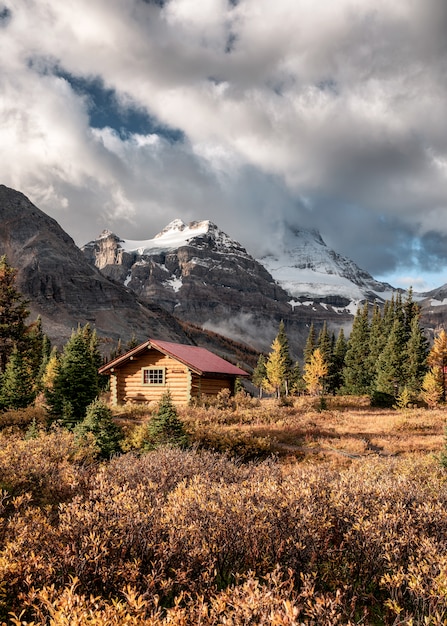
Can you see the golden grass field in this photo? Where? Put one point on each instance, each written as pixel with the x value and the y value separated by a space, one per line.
pixel 348 428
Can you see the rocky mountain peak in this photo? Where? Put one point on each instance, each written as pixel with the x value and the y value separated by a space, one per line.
pixel 307 268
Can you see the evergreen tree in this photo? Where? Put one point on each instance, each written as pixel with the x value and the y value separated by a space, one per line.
pixel 335 373
pixel 411 311
pixel 314 372
pixel 259 374
pixel 437 358
pixel 99 422
pixel 132 343
pixel 165 428
pixel 390 365
pixel 285 351
pixel 13 313
pixel 377 341
pixel 275 368
pixel 416 357
pixel 311 344
pixel 357 374
pixel 17 388
pixel 296 381
pixel 36 351
pixel 325 344
pixel 75 383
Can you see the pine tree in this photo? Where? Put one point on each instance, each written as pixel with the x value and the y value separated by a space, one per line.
pixel 377 341
pixel 437 358
pixel 13 313
pixel 390 365
pixel 326 345
pixel 416 357
pixel 296 381
pixel 285 351
pixel 412 311
pixel 17 384
pixel 99 422
pixel 165 428
pixel 311 344
pixel 75 383
pixel 259 374
pixel 275 368
pixel 357 374
pixel 335 373
pixel 314 372
pixel 132 343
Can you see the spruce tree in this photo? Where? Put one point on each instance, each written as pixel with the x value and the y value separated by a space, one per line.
pixel 335 373
pixel 311 344
pixel 165 428
pixel 296 382
pixel 259 374
pixel 75 383
pixel 99 422
pixel 13 313
pixel 325 344
pixel 390 373
pixel 17 383
pixel 357 374
pixel 377 341
pixel 285 351
pixel 416 357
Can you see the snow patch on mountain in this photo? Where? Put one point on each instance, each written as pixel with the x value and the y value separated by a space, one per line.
pixel 307 269
pixel 177 234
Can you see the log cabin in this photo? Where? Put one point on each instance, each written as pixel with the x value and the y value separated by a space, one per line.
pixel 146 372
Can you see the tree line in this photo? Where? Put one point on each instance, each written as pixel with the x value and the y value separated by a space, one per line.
pixel 387 356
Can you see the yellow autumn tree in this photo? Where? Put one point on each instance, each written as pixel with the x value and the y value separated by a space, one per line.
pixel 275 369
pixel 437 359
pixel 314 372
pixel 432 388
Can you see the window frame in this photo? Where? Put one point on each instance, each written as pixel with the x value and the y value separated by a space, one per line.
pixel 152 383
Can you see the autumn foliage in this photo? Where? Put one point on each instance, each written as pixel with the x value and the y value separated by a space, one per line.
pixel 191 536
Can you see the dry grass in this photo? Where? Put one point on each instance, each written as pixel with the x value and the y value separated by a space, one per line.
pixel 347 427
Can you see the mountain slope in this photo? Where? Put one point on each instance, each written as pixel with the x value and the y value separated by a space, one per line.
pixel 63 288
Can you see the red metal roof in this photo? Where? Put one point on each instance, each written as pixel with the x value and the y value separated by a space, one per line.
pixel 198 359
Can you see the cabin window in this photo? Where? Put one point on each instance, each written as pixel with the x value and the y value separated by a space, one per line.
pixel 154 376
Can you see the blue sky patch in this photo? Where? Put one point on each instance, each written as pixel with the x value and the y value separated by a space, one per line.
pixel 105 110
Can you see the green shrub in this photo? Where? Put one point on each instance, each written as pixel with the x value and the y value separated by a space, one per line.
pixel 99 422
pixel 165 427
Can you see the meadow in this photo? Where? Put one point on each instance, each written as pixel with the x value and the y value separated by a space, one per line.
pixel 311 513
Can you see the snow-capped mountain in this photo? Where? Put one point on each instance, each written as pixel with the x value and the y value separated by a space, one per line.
pixel 201 275
pixel 307 269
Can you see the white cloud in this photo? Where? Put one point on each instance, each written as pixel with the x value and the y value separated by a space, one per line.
pixel 313 115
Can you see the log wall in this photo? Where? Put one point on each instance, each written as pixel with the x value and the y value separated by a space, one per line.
pixel 130 386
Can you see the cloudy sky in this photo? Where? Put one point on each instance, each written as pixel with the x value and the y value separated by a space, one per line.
pixel 258 115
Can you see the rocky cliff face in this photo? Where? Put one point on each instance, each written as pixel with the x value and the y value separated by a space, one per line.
pixel 199 274
pixel 63 288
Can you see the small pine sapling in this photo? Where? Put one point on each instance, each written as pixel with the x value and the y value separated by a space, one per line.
pixel 99 422
pixel 165 428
